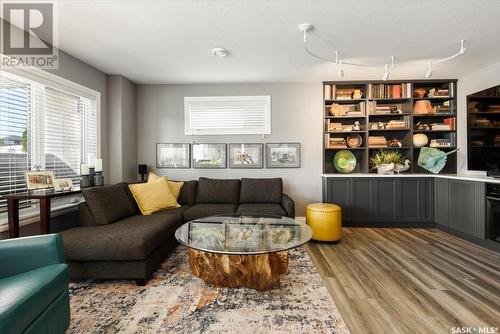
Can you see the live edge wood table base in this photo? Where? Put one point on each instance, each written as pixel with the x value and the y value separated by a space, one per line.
pixel 252 271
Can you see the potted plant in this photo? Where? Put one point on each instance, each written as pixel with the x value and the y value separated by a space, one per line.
pixel 389 161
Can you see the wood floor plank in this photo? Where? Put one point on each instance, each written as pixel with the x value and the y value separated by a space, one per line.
pixel 391 280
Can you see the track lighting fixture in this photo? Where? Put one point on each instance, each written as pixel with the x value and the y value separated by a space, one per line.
pixel 340 70
pixel 429 72
pixel 305 28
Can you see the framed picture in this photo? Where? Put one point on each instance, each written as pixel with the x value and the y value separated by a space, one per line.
pixel 173 155
pixel 40 179
pixel 63 184
pixel 283 155
pixel 246 155
pixel 209 156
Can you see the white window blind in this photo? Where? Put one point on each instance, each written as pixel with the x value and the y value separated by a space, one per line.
pixel 42 127
pixel 221 115
pixel 15 100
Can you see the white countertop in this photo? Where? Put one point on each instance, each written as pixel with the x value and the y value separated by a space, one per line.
pixel 468 177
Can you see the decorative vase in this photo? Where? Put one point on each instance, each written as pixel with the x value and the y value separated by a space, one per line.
pixel 98 179
pixel 86 181
pixel 423 107
pixel 357 94
pixel 420 140
pixel 419 92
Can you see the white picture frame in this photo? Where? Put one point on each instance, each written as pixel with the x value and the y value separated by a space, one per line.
pixel 63 184
pixel 40 179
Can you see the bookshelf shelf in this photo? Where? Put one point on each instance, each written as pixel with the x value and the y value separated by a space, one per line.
pixel 389 130
pixel 432 131
pixel 385 96
pixel 435 115
pixel 389 115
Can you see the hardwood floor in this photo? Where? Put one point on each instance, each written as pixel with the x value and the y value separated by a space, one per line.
pixel 391 280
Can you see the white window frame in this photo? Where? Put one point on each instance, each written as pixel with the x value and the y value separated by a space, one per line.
pixel 237 131
pixel 38 76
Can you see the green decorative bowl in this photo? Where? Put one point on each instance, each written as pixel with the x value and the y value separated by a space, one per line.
pixel 344 161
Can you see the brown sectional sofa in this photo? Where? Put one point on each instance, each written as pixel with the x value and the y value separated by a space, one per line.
pixel 114 241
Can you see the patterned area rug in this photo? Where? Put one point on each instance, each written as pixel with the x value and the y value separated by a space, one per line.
pixel 174 301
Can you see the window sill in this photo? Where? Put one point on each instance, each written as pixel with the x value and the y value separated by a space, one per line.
pixel 32 215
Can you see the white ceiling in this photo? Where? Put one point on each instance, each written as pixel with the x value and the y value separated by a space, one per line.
pixel 170 41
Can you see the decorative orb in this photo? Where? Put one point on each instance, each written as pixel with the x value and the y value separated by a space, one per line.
pixel 420 140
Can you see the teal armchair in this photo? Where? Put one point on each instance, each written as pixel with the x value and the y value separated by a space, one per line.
pixel 34 280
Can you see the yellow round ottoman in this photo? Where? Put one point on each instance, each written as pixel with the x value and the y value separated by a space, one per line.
pixel 325 220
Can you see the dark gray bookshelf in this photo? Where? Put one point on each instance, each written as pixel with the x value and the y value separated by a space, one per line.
pixel 405 103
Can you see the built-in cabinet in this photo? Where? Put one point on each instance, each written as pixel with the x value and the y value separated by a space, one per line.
pixel 452 203
pixel 460 205
pixel 382 199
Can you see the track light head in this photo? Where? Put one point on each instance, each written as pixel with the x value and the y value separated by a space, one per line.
pixel 429 72
pixel 386 73
pixel 340 70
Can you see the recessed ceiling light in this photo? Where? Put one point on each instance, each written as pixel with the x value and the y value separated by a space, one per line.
pixel 219 52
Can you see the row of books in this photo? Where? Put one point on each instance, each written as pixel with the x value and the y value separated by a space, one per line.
pixel 448 124
pixel 339 127
pixel 392 124
pixel 443 142
pixel 391 91
pixel 377 141
pixel 331 92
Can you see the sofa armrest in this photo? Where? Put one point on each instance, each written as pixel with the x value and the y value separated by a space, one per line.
pixel 24 254
pixel 289 205
pixel 85 217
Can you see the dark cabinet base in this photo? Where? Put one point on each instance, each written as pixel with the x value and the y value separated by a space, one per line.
pixel 380 201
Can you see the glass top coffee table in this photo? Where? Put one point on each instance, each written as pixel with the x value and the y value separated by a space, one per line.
pixel 241 250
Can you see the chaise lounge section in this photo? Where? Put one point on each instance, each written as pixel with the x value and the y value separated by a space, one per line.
pixel 115 241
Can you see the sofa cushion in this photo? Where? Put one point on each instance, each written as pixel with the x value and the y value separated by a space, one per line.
pixel 261 208
pixel 133 238
pixel 174 211
pixel 218 191
pixel 175 186
pixel 188 193
pixel 23 297
pixel 153 196
pixel 206 209
pixel 108 203
pixel 261 190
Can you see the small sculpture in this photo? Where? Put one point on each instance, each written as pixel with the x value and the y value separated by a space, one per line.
pixel 356 126
pixel 386 168
pixel 399 168
pixel 432 159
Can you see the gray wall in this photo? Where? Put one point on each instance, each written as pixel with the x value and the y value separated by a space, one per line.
pixel 296 117
pixel 122 130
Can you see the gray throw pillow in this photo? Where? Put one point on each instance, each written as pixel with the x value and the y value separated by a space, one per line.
pixel 108 204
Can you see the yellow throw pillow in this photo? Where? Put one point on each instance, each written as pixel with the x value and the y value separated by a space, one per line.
pixel 152 197
pixel 175 187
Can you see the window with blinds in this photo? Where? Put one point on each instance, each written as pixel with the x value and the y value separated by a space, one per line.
pixel 42 127
pixel 224 115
